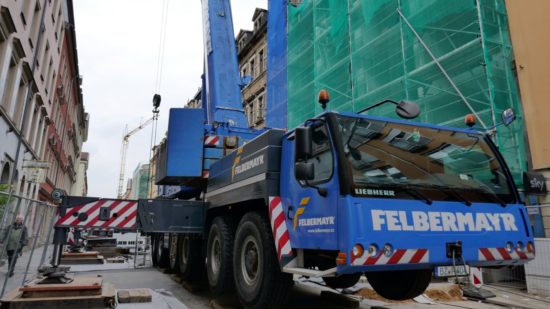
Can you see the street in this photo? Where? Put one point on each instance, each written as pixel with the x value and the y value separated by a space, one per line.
pixel 307 293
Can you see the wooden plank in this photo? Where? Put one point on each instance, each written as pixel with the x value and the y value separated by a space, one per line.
pixel 123 296
pixel 105 300
pixel 80 254
pixel 140 296
pixel 134 296
pixel 79 283
pixel 83 260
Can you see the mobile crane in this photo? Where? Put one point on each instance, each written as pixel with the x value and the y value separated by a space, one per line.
pixel 344 194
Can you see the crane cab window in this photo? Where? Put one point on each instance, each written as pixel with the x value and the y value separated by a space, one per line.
pixel 321 155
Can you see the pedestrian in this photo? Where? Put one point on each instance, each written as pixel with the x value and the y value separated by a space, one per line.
pixel 17 233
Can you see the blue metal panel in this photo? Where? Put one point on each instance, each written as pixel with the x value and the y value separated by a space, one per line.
pixel 213 153
pixel 224 102
pixel 277 94
pixel 208 163
pixel 303 234
pixel 409 224
pixel 185 143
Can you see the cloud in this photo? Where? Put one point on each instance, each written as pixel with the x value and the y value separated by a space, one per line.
pixel 118 44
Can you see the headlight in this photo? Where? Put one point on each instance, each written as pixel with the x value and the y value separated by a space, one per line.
pixel 373 250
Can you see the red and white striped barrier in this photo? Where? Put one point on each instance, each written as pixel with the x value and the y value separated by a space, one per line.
pixel 278 225
pixel 211 140
pixel 122 215
pixel 399 256
pixel 70 236
pixel 476 277
pixel 501 254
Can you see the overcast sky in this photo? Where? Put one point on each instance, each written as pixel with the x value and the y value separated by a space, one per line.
pixel 118 44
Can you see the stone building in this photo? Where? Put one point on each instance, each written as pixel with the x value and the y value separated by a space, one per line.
pixel 41 109
pixel 252 54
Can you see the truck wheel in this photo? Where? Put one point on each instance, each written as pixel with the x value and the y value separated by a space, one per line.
pixel 342 281
pixel 401 284
pixel 174 252
pixel 219 259
pixel 258 278
pixel 161 253
pixel 190 260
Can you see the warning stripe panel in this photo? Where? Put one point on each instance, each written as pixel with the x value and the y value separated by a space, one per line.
pixel 122 215
pixel 279 228
pixel 502 254
pixel 398 257
pixel 211 140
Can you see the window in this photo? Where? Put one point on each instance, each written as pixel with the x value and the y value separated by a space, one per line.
pixel 443 165
pixel 260 111
pixel 252 68
pixel 321 155
pixel 261 58
pixel 251 115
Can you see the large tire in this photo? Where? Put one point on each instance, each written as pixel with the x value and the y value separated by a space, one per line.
pixel 191 263
pixel 400 285
pixel 258 278
pixel 160 253
pixel 174 254
pixel 219 256
pixel 342 281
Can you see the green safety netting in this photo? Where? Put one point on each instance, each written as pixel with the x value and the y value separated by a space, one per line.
pixel 452 57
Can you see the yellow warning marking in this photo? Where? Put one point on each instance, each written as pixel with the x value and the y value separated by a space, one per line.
pixel 239 150
pixel 299 212
pixel 304 201
pixel 237 160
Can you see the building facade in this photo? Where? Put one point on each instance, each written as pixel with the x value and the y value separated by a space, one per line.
pixel 80 188
pixel 252 55
pixel 140 182
pixel 196 101
pixel 41 102
pixel 528 23
pixel 68 128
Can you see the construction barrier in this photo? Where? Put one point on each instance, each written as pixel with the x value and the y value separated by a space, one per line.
pixel 31 249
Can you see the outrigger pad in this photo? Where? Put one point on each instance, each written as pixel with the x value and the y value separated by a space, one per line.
pixel 473 292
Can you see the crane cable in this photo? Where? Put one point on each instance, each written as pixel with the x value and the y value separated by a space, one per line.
pixel 158 85
pixel 162 44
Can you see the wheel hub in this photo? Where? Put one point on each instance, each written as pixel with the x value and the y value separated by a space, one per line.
pixel 250 260
pixel 216 254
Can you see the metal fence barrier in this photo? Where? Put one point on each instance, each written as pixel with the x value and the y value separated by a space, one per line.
pixel 28 253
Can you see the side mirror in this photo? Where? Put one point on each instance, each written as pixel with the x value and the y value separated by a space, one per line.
pixel 407 110
pixel 303 145
pixel 508 116
pixel 304 171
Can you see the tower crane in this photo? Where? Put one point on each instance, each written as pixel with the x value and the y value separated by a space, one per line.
pixel 123 152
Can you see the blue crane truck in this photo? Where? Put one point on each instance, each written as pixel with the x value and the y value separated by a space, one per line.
pixel 344 194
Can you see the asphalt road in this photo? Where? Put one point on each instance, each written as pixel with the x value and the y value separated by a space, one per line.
pixel 305 294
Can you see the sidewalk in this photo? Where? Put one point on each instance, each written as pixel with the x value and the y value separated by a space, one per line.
pixel 19 271
pixel 516 298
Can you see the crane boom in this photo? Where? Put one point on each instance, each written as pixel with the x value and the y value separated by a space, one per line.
pixel 222 98
pixel 123 152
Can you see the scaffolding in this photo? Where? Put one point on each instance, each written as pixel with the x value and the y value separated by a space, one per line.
pixel 451 57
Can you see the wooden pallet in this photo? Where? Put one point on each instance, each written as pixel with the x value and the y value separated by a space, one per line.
pixel 79 258
pixel 83 292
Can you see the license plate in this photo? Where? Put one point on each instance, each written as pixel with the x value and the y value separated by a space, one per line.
pixel 449 271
